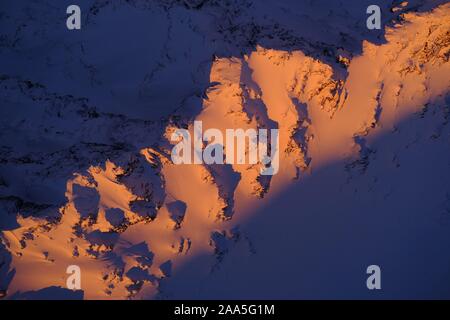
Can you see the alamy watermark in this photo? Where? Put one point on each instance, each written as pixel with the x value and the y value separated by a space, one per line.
pixel 73 281
pixel 374 280
pixel 233 150
pixel 73 22
pixel 374 20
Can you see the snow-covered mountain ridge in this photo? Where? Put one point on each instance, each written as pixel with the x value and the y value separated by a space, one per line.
pixel 85 170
